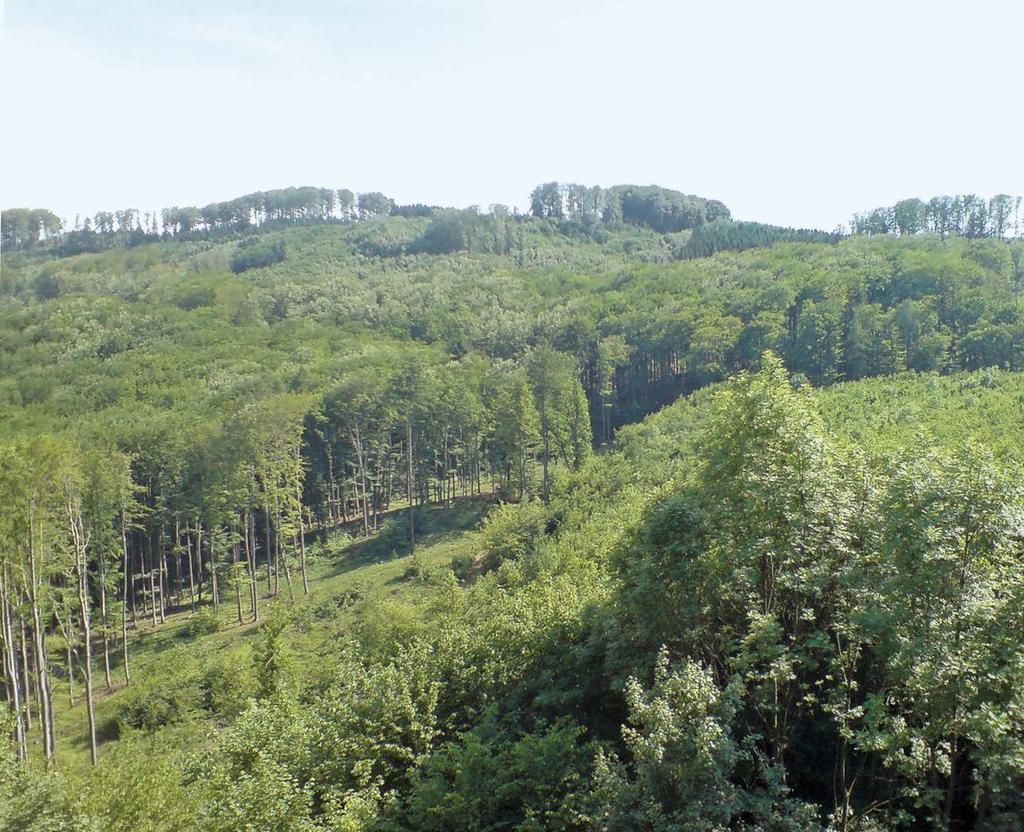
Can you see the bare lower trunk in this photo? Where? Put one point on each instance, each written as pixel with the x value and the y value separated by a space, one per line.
pixel 10 668
pixel 234 569
pixel 41 660
pixel 214 591
pixel 124 601
pixel 267 547
pixel 67 631
pixel 162 576
pixel 152 577
pixel 79 540
pixel 26 675
pixel 103 620
pixel 250 553
pixel 199 561
pixel 409 487
pixel 302 533
pixel 191 572
pixel 361 482
pixel 280 555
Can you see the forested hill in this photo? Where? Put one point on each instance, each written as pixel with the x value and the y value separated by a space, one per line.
pixel 253 561
pixel 204 319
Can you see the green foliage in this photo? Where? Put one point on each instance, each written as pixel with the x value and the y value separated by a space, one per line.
pixel 32 801
pixel 727 235
pixel 251 782
pixel 681 757
pixel 137 788
pixel 256 254
pixel 824 573
pixel 488 781
pixel 203 622
pixel 271 657
pixel 227 685
pixel 161 701
pixel 512 532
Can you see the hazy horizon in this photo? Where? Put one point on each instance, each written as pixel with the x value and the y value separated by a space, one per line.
pixel 796 114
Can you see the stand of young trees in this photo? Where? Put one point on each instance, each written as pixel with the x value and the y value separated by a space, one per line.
pixel 25 228
pixel 62 556
pixel 962 215
pixel 96 543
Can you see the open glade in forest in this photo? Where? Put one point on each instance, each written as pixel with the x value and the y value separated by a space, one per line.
pixel 321 512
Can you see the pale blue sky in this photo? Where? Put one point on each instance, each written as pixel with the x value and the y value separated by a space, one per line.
pixel 790 112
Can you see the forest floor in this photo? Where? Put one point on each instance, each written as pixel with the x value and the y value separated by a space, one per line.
pixel 341 574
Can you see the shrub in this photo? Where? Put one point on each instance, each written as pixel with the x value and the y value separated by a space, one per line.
pixel 155 703
pixel 227 686
pixel 202 623
pixel 512 532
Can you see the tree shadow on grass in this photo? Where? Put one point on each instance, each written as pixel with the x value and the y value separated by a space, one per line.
pixel 434 525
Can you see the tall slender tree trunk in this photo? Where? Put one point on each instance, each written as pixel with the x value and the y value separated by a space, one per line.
pixel 152 576
pixel 26 675
pixel 409 485
pixel 103 618
pixel 545 435
pixel 332 493
pixel 199 561
pixel 298 507
pixel 71 667
pixel 10 667
pixel 161 556
pixel 41 659
pixel 267 539
pixel 81 570
pixel 135 607
pixel 361 474
pixel 124 599
pixel 280 555
pixel 250 553
pixel 234 568
pixel 214 589
pixel 191 571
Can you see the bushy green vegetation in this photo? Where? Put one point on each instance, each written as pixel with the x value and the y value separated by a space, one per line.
pixel 753 596
pixel 249 476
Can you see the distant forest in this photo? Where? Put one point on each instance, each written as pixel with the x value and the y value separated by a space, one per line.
pixel 703 226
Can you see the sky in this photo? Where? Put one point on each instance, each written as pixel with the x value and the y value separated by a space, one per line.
pixel 796 113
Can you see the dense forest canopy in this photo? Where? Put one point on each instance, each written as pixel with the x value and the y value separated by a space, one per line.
pixel 324 512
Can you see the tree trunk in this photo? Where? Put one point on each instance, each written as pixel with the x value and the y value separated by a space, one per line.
pixel 250 554
pixel 545 435
pixel 81 570
pixel 409 486
pixel 162 575
pixel 302 534
pixel 214 590
pixel 267 540
pixel 41 659
pixel 103 618
pixel 199 561
pixel 10 667
pixel 124 600
pixel 152 576
pixel 361 474
pixel 191 571
pixel 234 569
pixel 280 555
pixel 71 667
pixel 25 674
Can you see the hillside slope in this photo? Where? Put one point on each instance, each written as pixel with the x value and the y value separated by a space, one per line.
pixel 485 682
pixel 261 467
